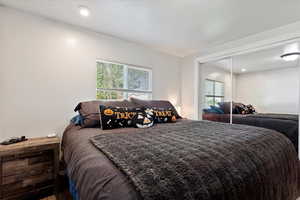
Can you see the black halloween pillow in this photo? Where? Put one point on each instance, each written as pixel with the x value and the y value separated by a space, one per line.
pixel 117 117
pixel 143 119
pixel 162 115
pixel 246 109
pixel 251 109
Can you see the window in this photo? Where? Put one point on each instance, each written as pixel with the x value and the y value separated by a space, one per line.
pixel 120 81
pixel 214 92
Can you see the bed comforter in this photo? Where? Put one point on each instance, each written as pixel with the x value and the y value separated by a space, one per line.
pixel 286 124
pixel 186 160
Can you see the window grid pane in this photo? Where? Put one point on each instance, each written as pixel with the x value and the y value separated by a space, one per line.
pixel 110 76
pixel 117 81
pixel 138 79
pixel 209 101
pixel 214 93
pixel 209 87
pixel 109 95
pixel 219 89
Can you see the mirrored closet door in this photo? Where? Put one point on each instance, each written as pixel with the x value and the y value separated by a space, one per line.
pixel 259 89
pixel 266 89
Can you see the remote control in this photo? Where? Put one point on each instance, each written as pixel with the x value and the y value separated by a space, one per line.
pixel 14 140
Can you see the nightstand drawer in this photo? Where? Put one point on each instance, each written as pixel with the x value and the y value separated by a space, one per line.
pixel 34 172
pixel 18 191
pixel 41 155
pixel 35 163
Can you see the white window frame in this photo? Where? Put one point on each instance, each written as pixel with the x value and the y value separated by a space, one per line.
pixel 126 91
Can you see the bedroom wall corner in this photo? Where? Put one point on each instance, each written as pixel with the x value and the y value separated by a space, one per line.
pixel 188 86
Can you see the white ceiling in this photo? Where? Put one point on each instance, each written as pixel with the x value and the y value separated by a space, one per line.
pixel 177 27
pixel 263 60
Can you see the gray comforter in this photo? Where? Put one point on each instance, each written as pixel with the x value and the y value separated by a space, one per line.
pixel 286 124
pixel 186 160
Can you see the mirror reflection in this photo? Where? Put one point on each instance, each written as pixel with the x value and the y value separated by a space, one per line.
pixel 263 87
pixel 266 90
pixel 215 90
pixel 267 81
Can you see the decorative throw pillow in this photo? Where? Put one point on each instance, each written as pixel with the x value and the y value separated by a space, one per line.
pixel 236 107
pixel 217 109
pixel 143 119
pixel 251 109
pixel 162 115
pixel 225 106
pixel 239 109
pixel 245 109
pixel 77 120
pixel 117 117
pixel 89 111
pixel 210 111
pixel 155 104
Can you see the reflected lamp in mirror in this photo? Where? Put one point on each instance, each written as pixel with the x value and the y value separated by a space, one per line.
pixel 178 109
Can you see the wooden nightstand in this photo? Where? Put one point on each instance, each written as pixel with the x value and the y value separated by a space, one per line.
pixel 28 170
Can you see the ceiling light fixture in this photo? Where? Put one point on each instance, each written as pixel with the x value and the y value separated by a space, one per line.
pixel 243 70
pixel 84 11
pixel 290 56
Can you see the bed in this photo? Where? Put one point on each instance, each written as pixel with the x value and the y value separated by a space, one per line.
pixel 183 160
pixel 287 124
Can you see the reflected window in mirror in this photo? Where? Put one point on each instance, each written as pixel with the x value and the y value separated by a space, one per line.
pixel 214 92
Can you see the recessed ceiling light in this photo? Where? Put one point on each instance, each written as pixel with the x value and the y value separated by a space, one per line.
pixel 84 11
pixel 243 70
pixel 290 56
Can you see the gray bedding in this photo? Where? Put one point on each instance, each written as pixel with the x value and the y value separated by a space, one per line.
pixel 228 162
pixel 276 116
pixel 286 124
pixel 95 177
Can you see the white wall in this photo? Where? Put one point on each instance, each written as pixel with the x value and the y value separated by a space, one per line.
pixel 189 71
pixel 272 91
pixel 46 68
